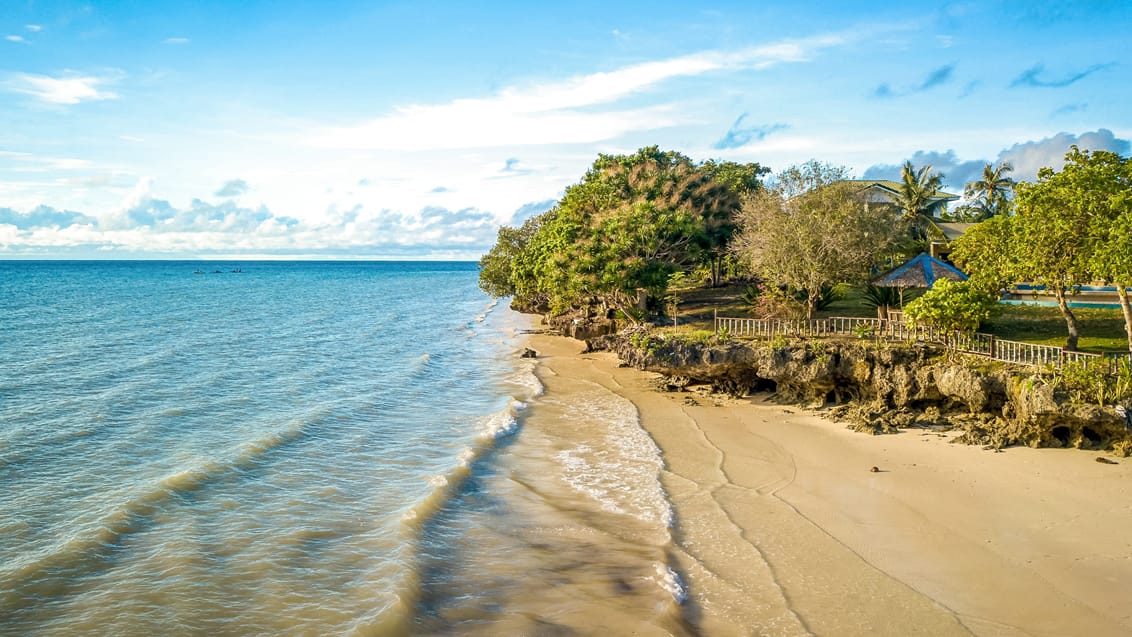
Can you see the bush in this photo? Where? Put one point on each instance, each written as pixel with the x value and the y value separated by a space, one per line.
pixel 950 306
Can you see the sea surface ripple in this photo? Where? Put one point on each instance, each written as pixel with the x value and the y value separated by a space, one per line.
pixel 246 450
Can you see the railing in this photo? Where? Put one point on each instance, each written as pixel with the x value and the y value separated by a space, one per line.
pixel 1016 352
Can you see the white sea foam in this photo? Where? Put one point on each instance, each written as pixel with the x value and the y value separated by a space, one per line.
pixel 621 472
pixel 525 381
pixel 502 423
pixel 487 310
pixel 668 580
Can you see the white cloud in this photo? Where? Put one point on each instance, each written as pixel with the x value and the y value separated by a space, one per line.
pixel 14 38
pixel 34 28
pixel 155 226
pixel 556 112
pixel 69 89
pixel 1031 156
pixel 176 40
pixel 27 162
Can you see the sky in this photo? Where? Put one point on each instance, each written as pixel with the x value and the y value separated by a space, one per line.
pixel 413 130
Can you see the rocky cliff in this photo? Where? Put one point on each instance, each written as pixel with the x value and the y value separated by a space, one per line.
pixel 879 387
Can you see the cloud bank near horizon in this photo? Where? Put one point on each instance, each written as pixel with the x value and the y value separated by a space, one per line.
pixel 1026 157
pixel 154 226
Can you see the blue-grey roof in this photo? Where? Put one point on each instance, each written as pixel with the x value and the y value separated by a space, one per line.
pixel 921 271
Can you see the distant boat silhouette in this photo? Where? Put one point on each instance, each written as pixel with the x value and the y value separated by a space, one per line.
pixel 198 271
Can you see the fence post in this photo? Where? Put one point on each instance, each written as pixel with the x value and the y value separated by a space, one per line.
pixel 715 320
pixel 992 352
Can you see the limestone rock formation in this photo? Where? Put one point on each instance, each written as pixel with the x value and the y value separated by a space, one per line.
pixel 883 388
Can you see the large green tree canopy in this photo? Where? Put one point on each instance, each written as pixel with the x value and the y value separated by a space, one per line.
pixel 631 221
pixel 1070 227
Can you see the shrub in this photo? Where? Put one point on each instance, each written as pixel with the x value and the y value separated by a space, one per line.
pixel 950 306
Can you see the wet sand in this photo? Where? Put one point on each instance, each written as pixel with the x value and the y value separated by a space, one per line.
pixel 782 528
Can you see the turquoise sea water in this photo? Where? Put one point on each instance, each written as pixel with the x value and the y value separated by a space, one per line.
pixel 282 448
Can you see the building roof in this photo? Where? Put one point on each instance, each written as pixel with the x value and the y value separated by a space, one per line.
pixel 922 271
pixel 953 230
pixel 893 187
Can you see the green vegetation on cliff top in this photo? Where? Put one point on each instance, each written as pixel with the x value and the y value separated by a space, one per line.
pixel 658 228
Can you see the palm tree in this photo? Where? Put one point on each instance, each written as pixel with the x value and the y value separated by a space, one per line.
pixel 916 198
pixel 991 194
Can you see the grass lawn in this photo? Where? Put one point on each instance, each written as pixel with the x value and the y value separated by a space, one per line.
pixel 1101 330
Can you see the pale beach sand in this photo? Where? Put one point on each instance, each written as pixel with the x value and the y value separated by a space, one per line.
pixel 782 529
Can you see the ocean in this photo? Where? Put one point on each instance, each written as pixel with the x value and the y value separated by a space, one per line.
pixel 267 448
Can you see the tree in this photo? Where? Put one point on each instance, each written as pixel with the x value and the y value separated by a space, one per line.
pixel 1059 218
pixel 1114 262
pixel 631 222
pixel 811 229
pixel 987 253
pixel 990 196
pixel 1055 238
pixel 955 306
pixel 497 275
pixel 917 200
pixel 1105 178
pixel 742 180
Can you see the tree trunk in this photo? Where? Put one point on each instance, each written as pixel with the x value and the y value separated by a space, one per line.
pixel 1122 294
pixel 811 305
pixel 1070 319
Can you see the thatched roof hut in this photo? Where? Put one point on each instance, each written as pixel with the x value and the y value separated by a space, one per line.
pixel 920 272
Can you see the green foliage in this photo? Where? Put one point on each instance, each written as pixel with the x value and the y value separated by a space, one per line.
pixel 987 253
pixel 496 274
pixel 880 298
pixel 991 195
pixel 950 306
pixel 918 202
pixel 751 295
pixel 827 295
pixel 676 281
pixel 644 341
pixel 634 315
pixel 742 179
pixel 810 231
pixel 1067 230
pixel 699 337
pixel 1110 256
pixel 1090 381
pixel 630 223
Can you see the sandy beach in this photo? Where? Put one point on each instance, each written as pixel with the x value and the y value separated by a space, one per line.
pixel 783 528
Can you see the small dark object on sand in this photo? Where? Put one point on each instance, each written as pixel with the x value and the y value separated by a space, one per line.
pixel 875 470
pixel 1104 460
pixel 528 353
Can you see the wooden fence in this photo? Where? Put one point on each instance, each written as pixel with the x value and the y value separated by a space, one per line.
pixel 1017 352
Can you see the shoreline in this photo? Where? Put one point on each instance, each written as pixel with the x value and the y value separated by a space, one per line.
pixel 782 528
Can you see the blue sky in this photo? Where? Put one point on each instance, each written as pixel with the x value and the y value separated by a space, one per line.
pixel 413 130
